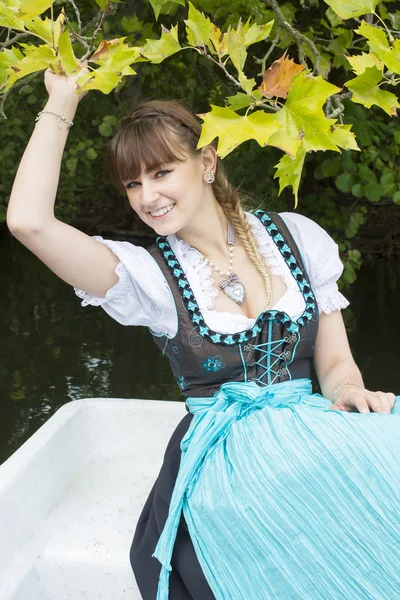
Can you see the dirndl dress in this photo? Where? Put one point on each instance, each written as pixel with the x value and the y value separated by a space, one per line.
pixel 265 493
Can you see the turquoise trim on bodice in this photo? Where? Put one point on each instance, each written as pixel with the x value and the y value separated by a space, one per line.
pixel 193 309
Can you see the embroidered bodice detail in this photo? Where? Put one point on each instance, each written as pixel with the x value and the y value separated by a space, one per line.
pixel 192 307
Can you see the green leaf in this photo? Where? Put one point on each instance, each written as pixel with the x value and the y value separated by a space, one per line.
pixel 362 61
pixel 101 4
pixel 331 166
pixel 157 5
pixel 348 9
pixel 91 153
pixel 396 197
pixel 373 192
pixel 66 54
pixel 32 8
pixel 198 27
pixel 379 45
pixel 367 92
pixel 239 101
pixel 158 50
pixel 302 118
pixel 289 171
pixel 345 181
pixel 233 129
pixel 358 190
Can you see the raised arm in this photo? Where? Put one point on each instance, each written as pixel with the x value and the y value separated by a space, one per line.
pixel 74 256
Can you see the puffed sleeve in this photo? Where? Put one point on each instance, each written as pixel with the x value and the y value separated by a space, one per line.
pixel 141 296
pixel 320 255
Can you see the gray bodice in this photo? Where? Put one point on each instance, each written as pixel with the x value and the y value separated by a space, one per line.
pixel 275 349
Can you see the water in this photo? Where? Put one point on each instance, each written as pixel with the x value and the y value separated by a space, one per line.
pixel 55 351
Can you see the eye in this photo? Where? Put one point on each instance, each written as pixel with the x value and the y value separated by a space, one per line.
pixel 132 185
pixel 162 173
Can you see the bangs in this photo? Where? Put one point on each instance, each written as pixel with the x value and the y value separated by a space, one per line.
pixel 144 146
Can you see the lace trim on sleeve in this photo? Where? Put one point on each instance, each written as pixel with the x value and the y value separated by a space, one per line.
pixel 118 290
pixel 330 299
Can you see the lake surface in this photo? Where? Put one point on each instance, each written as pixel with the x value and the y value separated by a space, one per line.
pixel 54 351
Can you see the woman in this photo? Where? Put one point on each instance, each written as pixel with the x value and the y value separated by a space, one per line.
pixel 265 491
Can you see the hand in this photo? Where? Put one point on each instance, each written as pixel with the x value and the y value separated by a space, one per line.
pixel 350 398
pixel 64 86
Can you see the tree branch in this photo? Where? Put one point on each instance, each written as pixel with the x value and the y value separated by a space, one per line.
pixel 263 61
pixel 299 38
pixel 10 41
pixel 78 16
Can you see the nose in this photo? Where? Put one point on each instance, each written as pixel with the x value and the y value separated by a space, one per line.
pixel 150 193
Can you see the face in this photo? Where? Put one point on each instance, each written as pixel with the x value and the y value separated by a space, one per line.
pixel 169 198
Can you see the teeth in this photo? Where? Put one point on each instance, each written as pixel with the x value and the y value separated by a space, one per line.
pixel 162 211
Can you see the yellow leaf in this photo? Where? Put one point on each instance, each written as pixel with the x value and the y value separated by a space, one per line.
pixel 349 9
pixel 235 43
pixel 219 41
pixel 114 55
pixel 289 171
pixel 198 27
pixel 343 137
pixel 32 8
pixel 302 119
pixel 66 54
pixel 101 79
pixel 360 62
pixel 233 129
pixel 9 18
pixel 46 28
pixel 367 92
pixel 257 33
pixel 247 84
pixel 379 45
pixel 158 50
pixel 278 78
pixel 36 58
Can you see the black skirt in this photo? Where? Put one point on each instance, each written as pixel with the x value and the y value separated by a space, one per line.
pixel 187 581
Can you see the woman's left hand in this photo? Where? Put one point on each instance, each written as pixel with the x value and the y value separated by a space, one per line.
pixel 352 398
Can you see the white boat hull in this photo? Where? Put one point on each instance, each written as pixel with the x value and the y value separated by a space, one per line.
pixel 70 498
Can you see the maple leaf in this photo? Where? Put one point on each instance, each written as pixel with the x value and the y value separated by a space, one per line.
pixel 233 129
pixel 379 45
pixel 158 50
pixel 362 61
pixel 348 9
pixel 198 27
pixel 289 171
pixel 367 92
pixel 302 117
pixel 278 78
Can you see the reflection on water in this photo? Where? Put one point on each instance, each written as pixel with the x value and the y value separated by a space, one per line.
pixel 54 351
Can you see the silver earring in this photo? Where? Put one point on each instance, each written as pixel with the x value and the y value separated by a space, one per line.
pixel 209 177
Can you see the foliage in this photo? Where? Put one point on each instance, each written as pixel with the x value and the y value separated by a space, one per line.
pixel 294 78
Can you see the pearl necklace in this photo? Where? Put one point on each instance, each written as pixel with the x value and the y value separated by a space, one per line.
pixel 231 286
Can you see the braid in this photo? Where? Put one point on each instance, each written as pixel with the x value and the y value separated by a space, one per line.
pixel 229 200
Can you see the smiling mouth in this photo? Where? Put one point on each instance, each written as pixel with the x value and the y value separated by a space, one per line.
pixel 162 211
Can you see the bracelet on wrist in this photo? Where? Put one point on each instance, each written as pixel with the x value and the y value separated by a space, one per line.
pixel 60 118
pixel 339 387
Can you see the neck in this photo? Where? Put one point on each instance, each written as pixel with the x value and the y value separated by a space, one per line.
pixel 208 232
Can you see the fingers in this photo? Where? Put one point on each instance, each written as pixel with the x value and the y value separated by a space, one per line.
pixel 366 401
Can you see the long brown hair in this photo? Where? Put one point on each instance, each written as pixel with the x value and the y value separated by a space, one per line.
pixel 159 132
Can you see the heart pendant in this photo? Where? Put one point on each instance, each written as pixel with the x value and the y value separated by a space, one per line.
pixel 235 291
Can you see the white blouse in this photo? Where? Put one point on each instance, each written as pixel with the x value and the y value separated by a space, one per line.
pixel 142 295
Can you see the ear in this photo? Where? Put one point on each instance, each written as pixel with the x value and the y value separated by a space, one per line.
pixel 209 158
